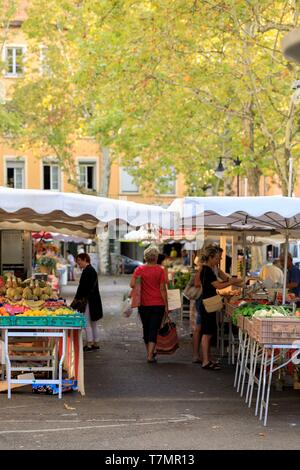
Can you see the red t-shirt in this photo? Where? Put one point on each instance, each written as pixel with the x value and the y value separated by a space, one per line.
pixel 151 279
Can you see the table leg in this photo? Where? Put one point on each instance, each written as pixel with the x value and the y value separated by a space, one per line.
pixel 61 363
pixel 8 365
pixel 265 365
pixel 245 364
pixel 260 380
pixel 269 388
pixel 3 360
pixel 242 360
pixel 252 353
pixel 253 376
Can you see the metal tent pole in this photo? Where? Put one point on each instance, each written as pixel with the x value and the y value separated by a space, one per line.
pixel 286 249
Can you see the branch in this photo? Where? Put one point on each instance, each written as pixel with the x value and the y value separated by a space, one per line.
pixel 277 26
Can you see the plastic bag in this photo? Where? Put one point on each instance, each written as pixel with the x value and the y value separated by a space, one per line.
pixel 126 308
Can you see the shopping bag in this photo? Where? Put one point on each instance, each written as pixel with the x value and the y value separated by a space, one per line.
pixel 174 299
pixel 167 339
pixel 213 304
pixel 126 308
pixel 135 294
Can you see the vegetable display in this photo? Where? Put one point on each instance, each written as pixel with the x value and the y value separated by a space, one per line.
pixel 260 311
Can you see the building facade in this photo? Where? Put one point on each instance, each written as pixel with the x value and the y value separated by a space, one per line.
pixel 25 170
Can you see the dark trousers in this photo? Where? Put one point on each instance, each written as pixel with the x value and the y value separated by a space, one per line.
pixel 151 319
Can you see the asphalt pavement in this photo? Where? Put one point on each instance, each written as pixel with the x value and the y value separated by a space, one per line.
pixel 130 404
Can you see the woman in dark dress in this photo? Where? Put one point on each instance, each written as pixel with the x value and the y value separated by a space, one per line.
pixel 89 289
pixel 210 284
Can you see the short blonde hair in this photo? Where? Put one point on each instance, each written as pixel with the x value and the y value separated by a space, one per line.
pixel 151 253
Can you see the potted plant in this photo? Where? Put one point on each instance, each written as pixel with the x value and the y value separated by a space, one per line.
pixel 46 263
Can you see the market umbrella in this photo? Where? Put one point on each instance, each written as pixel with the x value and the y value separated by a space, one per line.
pixel 142 234
pixel 278 213
pixel 73 213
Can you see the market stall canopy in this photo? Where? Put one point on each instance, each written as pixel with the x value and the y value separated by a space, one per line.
pixel 275 213
pixel 142 234
pixel 72 213
pixel 61 237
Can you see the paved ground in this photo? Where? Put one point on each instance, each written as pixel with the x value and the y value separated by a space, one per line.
pixel 130 404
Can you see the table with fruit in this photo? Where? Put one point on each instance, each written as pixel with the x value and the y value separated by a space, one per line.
pixel 19 300
pixel 33 305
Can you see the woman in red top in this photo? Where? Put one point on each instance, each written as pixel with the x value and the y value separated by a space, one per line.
pixel 154 303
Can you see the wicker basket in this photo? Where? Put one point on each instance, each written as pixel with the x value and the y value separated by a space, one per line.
pixel 248 326
pixel 276 330
pixel 240 322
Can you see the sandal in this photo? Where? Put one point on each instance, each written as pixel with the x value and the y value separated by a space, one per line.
pixel 211 366
pixel 152 360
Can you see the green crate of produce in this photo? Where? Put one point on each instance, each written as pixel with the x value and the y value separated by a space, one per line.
pixel 67 320
pixel 31 321
pixel 7 321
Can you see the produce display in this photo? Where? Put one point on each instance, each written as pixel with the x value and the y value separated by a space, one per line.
pixel 256 310
pixel 34 303
pixel 15 289
pixel 46 312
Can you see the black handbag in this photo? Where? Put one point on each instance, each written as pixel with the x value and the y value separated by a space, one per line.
pixel 79 304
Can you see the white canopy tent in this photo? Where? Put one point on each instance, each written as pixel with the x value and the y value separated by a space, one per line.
pixel 73 213
pixel 61 237
pixel 142 234
pixel 262 212
pixel 274 213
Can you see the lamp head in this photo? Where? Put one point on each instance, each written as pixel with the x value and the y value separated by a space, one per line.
pixel 219 171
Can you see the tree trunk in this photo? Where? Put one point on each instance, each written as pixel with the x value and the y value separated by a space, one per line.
pixel 103 236
pixel 254 174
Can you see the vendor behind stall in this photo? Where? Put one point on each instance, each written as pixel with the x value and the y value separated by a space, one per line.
pixel 271 275
pixel 293 275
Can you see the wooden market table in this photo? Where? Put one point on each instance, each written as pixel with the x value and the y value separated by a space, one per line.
pixel 67 352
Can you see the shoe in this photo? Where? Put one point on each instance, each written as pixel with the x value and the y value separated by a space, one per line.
pixel 88 348
pixel 95 347
pixel 152 360
pixel 211 366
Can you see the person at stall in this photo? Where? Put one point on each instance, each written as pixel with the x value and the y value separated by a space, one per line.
pixel 210 284
pixel 221 276
pixel 71 262
pixel 293 275
pixel 88 294
pixel 271 275
pixel 185 258
pixel 197 328
pixel 173 253
pixel 154 302
pixel 160 261
pixel 218 271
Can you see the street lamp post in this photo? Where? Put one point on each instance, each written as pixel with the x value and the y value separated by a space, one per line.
pixel 219 172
